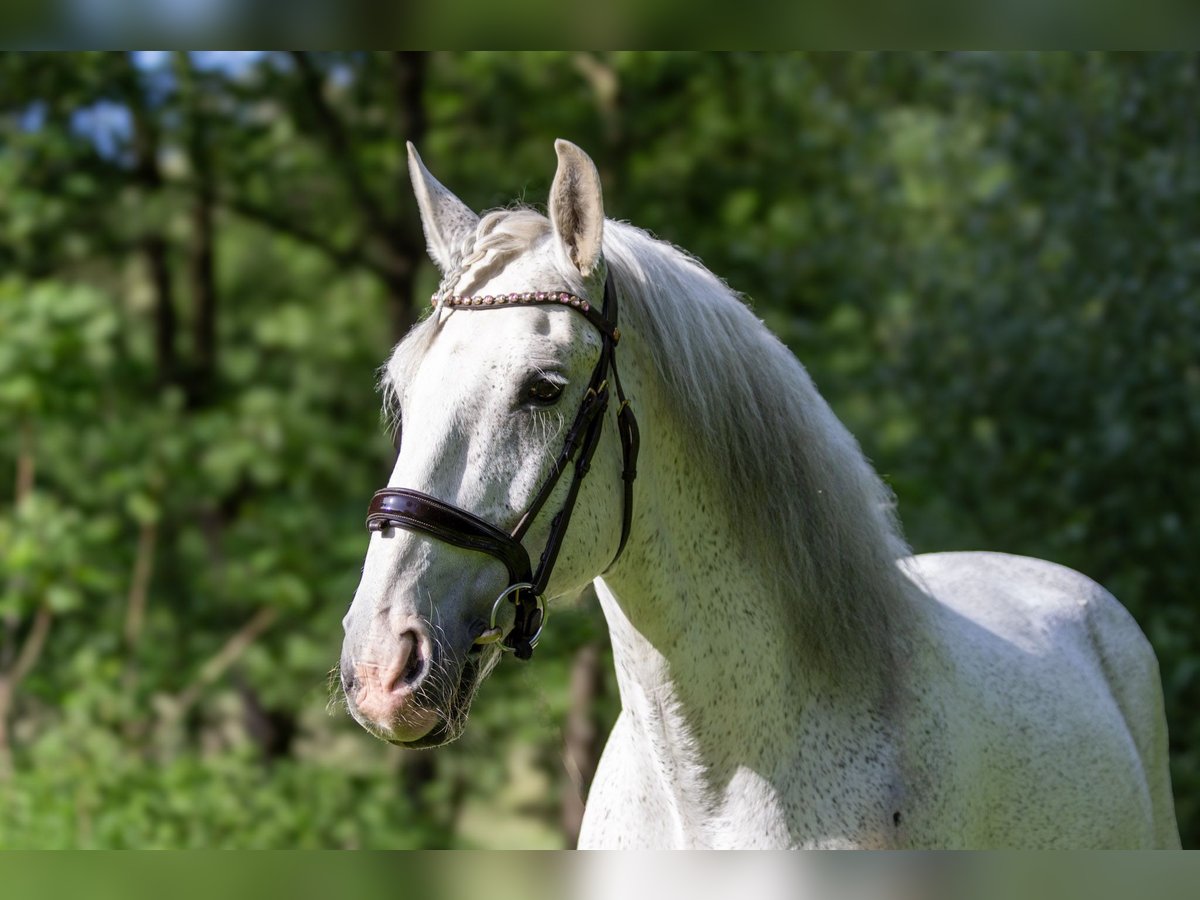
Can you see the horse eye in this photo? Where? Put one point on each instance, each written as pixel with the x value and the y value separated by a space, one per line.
pixel 544 392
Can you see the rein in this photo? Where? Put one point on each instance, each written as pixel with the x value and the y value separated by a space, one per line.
pixel 416 511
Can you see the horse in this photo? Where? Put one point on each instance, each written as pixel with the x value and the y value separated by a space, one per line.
pixel 789 674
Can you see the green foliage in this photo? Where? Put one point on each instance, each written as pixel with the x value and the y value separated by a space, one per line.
pixel 99 795
pixel 57 349
pixel 989 262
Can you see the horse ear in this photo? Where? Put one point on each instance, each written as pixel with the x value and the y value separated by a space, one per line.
pixel 577 207
pixel 447 221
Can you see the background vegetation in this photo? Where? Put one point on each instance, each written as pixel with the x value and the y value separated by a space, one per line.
pixel 990 263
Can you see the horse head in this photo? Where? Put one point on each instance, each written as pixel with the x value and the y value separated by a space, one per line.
pixel 500 393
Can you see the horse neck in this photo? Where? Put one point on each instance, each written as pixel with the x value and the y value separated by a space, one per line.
pixel 704 641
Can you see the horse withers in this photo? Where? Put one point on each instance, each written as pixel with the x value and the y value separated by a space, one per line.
pixel 790 676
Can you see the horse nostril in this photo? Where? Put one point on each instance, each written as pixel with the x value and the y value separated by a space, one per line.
pixel 347 678
pixel 418 658
pixel 413 670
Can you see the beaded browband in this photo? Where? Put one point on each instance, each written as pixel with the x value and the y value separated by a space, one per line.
pixel 532 298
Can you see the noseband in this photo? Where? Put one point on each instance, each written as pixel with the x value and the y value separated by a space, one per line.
pixel 415 511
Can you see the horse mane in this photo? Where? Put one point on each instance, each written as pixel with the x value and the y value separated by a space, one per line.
pixel 807 503
pixel 809 508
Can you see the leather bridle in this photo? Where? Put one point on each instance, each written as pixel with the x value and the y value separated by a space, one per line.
pixel 415 511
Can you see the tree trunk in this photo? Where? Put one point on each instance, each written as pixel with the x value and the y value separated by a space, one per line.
pixel 201 263
pixel 409 69
pixel 204 300
pixel 581 739
pixel 155 249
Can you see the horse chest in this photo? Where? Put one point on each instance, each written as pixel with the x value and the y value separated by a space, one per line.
pixel 726 749
pixel 661 784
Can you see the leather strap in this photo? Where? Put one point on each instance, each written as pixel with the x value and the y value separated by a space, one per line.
pixel 594 404
pixel 627 427
pixel 584 437
pixel 631 440
pixel 558 525
pixel 420 512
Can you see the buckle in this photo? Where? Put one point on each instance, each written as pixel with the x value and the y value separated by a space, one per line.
pixel 494 632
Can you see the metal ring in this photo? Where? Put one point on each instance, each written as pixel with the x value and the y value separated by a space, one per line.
pixel 504 595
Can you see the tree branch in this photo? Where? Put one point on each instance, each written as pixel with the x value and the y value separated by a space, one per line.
pixel 408 88
pixel 31 651
pixel 279 221
pixel 26 462
pixel 220 662
pixel 139 586
pixel 31 648
pixel 339 144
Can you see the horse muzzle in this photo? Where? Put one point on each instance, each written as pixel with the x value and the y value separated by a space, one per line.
pixel 386 684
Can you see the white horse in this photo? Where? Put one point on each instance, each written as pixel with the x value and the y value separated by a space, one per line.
pixel 789 676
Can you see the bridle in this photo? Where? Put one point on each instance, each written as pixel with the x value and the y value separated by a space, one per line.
pixel 416 511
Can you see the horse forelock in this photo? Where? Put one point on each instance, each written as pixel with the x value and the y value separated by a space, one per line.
pixel 808 505
pixel 499 238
